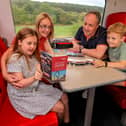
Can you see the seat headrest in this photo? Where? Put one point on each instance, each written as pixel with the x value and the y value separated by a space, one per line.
pixel 116 17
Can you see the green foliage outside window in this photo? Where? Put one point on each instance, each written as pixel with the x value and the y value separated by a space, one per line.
pixel 66 17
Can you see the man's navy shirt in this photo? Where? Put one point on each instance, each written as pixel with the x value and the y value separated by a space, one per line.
pixel 98 38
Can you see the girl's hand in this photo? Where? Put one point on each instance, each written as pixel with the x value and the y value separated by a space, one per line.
pixel 38 73
pixel 99 63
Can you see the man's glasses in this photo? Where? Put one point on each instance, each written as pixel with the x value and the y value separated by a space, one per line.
pixel 45 27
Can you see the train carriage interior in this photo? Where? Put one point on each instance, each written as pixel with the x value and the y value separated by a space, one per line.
pixel 110 101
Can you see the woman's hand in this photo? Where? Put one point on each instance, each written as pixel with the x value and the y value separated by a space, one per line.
pixel 11 78
pixel 38 72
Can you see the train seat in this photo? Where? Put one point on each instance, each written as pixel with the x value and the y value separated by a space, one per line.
pixel 8 115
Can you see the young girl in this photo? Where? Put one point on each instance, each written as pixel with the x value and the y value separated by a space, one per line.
pixel 32 97
pixel 116 34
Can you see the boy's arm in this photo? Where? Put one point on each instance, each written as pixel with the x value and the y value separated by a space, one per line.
pixel 119 64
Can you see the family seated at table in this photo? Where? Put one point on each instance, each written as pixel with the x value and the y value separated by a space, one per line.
pixel 89 40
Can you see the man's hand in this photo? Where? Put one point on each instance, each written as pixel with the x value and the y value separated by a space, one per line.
pixel 76 47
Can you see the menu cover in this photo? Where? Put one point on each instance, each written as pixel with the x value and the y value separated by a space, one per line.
pixel 53 66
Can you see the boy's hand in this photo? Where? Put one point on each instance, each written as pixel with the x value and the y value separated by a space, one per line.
pixel 99 63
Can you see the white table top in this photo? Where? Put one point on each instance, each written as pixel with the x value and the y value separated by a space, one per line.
pixel 87 76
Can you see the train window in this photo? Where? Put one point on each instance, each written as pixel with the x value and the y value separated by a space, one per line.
pixel 67 15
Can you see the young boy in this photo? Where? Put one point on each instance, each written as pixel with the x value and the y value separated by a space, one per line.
pixel 116 34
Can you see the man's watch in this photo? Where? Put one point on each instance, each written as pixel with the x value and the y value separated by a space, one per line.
pixel 80 49
pixel 106 63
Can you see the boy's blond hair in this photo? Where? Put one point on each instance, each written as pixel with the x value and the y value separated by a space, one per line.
pixel 118 28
